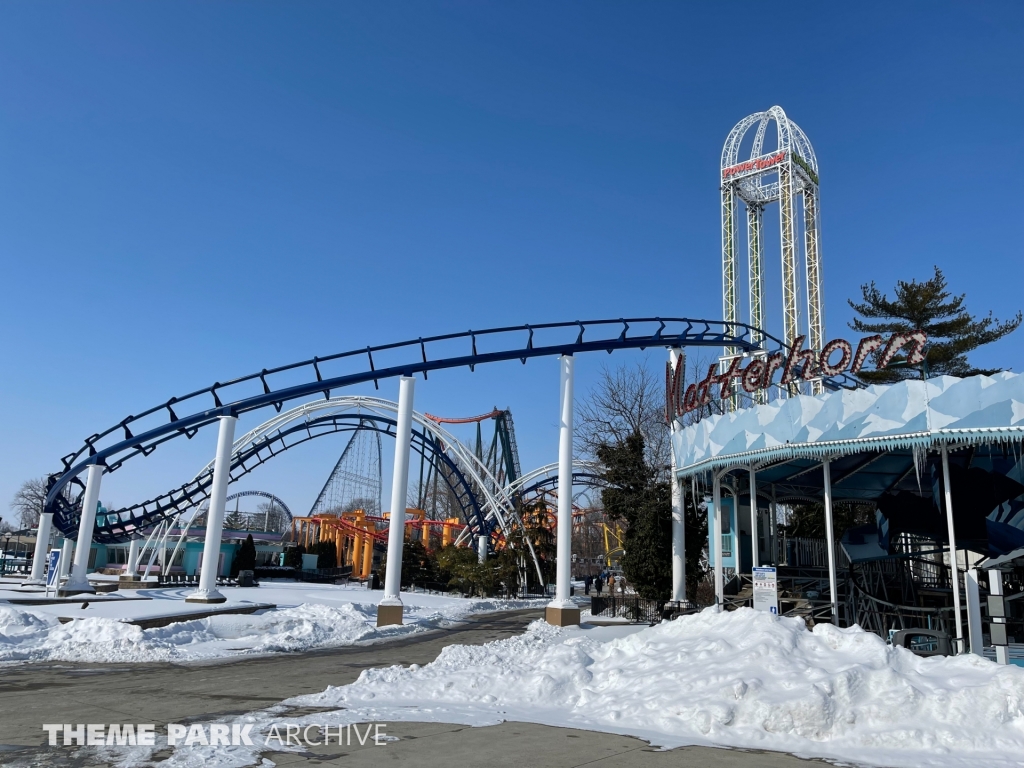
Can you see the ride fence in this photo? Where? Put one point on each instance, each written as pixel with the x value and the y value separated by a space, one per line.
pixel 324 575
pixel 637 609
pixel 12 567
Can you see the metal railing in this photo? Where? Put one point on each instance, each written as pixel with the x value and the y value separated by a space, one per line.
pixel 323 575
pixel 805 552
pixel 637 609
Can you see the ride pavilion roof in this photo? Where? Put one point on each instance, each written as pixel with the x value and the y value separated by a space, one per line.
pixel 877 438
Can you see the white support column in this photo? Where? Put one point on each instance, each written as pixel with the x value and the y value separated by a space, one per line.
pixel 773 526
pixel 36 578
pixel 481 548
pixel 207 592
pixel 953 570
pixel 678 539
pixel 716 501
pixel 830 543
pixel 79 583
pixel 562 611
pixel 66 553
pixel 974 612
pixel 389 611
pixel 754 562
pixel 133 558
pixel 678 509
pixel 995 587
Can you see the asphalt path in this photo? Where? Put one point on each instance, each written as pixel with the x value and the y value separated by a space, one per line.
pixel 31 695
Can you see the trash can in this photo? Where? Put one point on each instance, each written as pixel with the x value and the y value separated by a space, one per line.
pixel 245 578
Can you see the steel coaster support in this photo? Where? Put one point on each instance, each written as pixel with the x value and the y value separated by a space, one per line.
pixel 562 611
pixel 79 583
pixel 815 311
pixel 390 609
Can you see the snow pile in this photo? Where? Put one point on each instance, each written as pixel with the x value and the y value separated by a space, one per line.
pixel 38 636
pixel 742 679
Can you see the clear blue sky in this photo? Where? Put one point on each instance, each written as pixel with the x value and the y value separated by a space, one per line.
pixel 193 191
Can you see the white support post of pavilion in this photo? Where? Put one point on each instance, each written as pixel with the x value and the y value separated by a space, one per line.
pixel 754 562
pixel 974 629
pixel 830 542
pixel 954 571
pixel 678 508
pixel 716 501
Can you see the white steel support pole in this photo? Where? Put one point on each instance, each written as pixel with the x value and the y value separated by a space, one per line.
pixel 42 548
pixel 207 589
pixel 678 508
pixel 562 611
pixel 830 543
pixel 995 587
pixel 953 570
pixel 716 501
pixel 753 518
pixel 78 583
pixel 390 609
pixel 678 539
pixel 66 551
pixel 481 548
pixel 974 612
pixel 133 558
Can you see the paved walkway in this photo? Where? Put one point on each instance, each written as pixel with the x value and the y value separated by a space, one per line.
pixel 168 693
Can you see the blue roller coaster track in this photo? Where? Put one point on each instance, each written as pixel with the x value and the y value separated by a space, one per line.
pixel 143 433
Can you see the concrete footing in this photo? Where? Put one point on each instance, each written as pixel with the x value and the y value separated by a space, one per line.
pixel 136 584
pixel 388 615
pixel 209 597
pixel 562 617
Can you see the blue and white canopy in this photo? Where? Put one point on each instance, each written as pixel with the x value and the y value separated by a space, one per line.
pixel 911 415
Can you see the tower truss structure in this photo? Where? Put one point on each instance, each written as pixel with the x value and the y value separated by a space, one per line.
pixel 787 175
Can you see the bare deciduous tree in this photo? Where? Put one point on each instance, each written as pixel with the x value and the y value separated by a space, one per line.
pixel 628 399
pixel 697 364
pixel 28 501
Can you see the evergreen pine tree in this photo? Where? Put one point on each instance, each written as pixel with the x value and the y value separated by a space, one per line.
pixel 245 558
pixel 293 556
pixel 952 331
pixel 635 496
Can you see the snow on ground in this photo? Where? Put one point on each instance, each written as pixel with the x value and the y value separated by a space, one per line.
pixel 738 679
pixel 309 616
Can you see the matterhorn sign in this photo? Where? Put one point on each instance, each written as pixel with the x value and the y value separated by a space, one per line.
pixel 836 357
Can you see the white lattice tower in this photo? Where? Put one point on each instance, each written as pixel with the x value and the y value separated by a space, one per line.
pixel 781 175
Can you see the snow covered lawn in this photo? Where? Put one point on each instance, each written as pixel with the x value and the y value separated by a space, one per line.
pixel 308 616
pixel 740 679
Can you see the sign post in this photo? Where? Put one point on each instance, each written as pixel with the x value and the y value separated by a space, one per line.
pixel 766 591
pixel 52 571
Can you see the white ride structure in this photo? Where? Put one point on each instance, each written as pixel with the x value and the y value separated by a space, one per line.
pixel 784 174
pixel 496 502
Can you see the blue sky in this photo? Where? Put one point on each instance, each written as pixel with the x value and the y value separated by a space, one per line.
pixel 193 191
